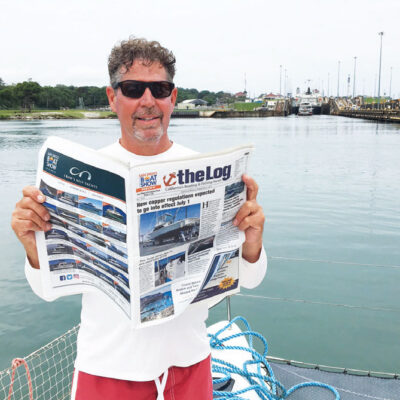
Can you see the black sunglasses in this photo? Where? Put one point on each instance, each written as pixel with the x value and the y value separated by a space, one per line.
pixel 135 89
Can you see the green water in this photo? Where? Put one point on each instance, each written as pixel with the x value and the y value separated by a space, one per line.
pixel 330 190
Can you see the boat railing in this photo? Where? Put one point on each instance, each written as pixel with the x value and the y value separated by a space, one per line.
pixel 47 372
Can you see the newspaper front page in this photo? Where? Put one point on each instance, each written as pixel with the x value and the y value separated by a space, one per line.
pixel 153 238
pixel 188 249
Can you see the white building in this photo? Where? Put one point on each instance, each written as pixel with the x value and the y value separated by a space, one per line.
pixel 190 104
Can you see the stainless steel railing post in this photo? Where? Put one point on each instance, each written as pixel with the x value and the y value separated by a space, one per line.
pixel 228 307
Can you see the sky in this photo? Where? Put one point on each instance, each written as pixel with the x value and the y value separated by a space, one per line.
pixel 224 45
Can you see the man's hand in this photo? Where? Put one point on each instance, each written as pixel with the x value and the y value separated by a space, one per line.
pixel 250 219
pixel 28 217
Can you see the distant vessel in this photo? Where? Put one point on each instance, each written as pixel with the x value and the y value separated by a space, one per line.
pixel 313 98
pixel 305 108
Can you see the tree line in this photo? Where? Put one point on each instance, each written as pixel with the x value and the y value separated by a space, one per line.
pixel 30 95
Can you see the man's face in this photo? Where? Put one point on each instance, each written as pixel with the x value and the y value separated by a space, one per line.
pixel 144 121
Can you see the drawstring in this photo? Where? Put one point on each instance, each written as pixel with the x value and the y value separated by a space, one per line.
pixel 161 385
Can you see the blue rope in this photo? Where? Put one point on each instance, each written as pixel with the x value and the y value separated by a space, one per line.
pixel 257 380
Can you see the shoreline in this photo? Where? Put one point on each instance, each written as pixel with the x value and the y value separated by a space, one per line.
pixel 10 115
pixel 14 115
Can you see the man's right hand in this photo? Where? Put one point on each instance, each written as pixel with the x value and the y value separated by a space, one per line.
pixel 30 216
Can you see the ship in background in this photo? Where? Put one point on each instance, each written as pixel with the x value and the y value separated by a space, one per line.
pixel 314 98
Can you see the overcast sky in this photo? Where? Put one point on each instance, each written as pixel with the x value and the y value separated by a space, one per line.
pixel 217 43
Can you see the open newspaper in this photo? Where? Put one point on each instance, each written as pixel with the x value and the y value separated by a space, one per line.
pixel 154 237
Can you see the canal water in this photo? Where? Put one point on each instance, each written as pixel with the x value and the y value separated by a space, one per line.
pixel 330 190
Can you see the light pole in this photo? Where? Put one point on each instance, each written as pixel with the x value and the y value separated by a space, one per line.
pixel 285 84
pixel 348 86
pixel 380 67
pixel 280 80
pixel 354 77
pixel 328 86
pixel 338 78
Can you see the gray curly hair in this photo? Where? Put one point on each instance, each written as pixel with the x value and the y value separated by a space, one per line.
pixel 126 52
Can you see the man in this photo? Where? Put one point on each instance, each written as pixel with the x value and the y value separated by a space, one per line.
pixel 170 360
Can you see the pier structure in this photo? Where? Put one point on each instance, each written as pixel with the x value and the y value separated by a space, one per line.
pixel 282 109
pixel 387 112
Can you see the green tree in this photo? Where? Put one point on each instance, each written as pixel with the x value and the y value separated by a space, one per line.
pixel 7 97
pixel 27 93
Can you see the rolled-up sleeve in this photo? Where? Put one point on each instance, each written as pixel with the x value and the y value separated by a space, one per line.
pixel 252 274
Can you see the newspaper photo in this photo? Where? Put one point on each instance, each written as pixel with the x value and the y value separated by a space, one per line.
pixel 154 238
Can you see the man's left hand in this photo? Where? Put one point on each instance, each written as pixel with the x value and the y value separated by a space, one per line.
pixel 250 219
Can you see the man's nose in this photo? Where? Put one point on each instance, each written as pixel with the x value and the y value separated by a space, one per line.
pixel 147 98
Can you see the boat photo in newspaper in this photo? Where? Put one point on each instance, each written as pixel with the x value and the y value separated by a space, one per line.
pixel 116 249
pixel 117 263
pixel 58 248
pixel 78 242
pixel 169 268
pixel 91 224
pixel 47 190
pixel 62 264
pixel 201 245
pixel 162 230
pixel 56 234
pixel 114 213
pixel 75 230
pixel 157 304
pixel 95 239
pixel 67 198
pixel 68 215
pixel 85 267
pixel 57 221
pixel 114 233
pixel 81 254
pixel 98 253
pixel 51 208
pixel 91 205
pixel 234 189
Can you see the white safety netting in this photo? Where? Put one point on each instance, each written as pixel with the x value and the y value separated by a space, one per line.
pixel 50 369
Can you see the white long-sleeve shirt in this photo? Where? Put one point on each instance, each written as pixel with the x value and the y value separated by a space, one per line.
pixel 107 343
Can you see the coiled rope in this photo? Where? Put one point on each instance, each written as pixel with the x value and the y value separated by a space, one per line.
pixel 257 380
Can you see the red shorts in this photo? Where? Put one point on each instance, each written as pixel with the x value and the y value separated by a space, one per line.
pixel 183 383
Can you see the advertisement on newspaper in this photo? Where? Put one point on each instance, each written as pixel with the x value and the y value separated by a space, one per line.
pixel 86 247
pixel 154 238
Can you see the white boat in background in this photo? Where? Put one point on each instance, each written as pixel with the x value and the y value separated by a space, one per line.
pixel 305 108
pixel 314 98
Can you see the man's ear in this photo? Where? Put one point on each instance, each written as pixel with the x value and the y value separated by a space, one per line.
pixel 174 95
pixel 111 98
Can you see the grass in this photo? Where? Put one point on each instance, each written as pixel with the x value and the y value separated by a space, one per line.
pixel 371 100
pixel 246 106
pixel 55 114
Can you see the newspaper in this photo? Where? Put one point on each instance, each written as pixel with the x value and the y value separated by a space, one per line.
pixel 154 237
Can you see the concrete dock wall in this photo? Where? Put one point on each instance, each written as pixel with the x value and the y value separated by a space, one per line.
pixel 227 114
pixel 375 115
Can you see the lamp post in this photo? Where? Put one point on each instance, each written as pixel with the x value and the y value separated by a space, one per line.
pixel 354 77
pixel 380 68
pixel 338 78
pixel 328 86
pixel 285 83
